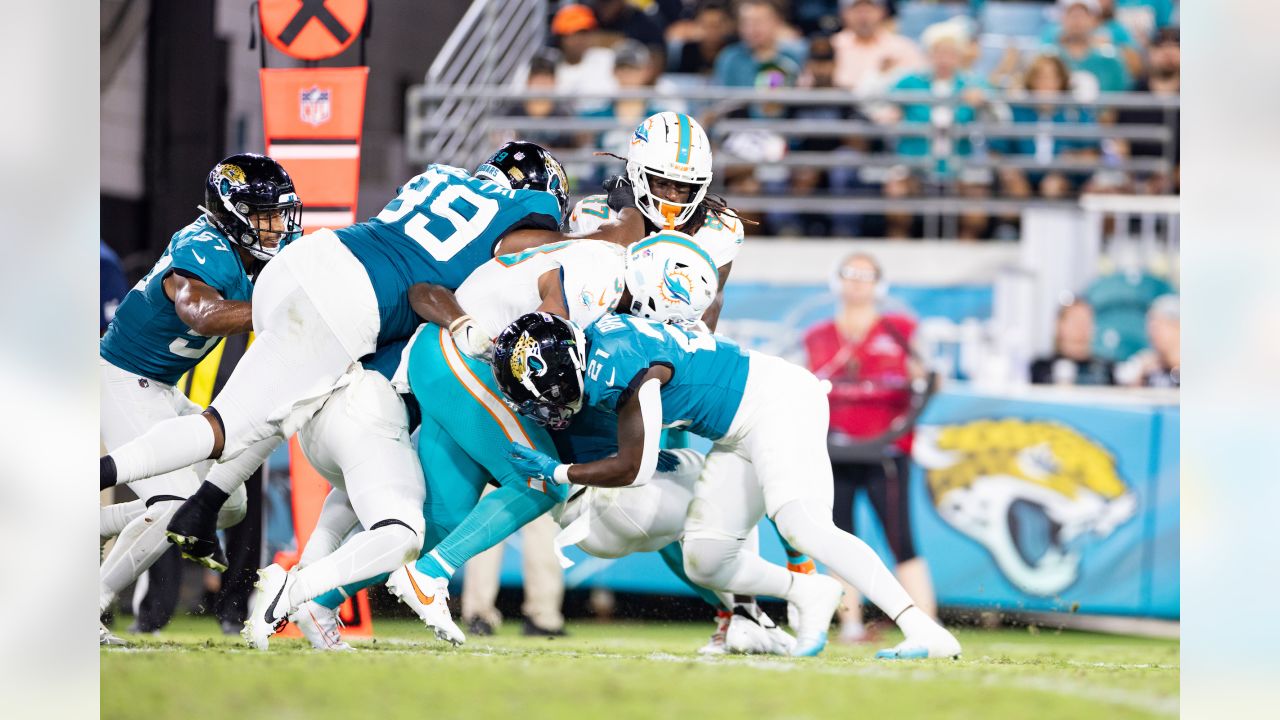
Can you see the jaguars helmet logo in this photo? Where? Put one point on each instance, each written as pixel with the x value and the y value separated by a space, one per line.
pixel 677 286
pixel 527 362
pixel 232 177
pixel 1026 491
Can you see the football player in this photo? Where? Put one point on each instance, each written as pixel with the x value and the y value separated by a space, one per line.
pixel 768 420
pixel 197 293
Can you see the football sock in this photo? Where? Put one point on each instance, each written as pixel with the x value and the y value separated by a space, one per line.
pixel 367 554
pixel 139 545
pixel 807 525
pixel 231 474
pixel 169 445
pixel 113 518
pixel 494 518
pixel 673 556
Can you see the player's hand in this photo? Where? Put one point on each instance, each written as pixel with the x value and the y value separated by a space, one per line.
pixel 667 461
pixel 621 195
pixel 532 463
pixel 470 340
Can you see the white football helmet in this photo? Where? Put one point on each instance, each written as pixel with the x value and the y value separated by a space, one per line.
pixel 672 146
pixel 670 278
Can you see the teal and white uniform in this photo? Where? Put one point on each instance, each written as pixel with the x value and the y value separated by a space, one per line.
pixel 146 337
pixel 719 238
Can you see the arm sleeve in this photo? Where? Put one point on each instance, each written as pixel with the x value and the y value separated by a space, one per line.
pixel 650 399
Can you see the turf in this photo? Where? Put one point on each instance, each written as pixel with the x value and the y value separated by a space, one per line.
pixel 624 670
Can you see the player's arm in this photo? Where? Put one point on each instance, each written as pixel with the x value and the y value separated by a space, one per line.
pixel 551 290
pixel 438 305
pixel 203 309
pixel 711 316
pixel 628 228
pixel 639 432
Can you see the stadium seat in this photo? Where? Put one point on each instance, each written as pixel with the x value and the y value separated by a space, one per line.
pixel 914 17
pixel 1019 19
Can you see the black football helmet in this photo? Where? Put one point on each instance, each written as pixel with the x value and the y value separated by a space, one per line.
pixel 521 164
pixel 538 361
pixel 242 196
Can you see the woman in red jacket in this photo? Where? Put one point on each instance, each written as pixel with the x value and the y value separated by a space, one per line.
pixel 868 360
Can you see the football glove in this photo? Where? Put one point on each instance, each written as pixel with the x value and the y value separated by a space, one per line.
pixel 532 463
pixel 621 195
pixel 470 340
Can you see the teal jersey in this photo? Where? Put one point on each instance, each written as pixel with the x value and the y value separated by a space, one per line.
pixel 146 337
pixel 442 226
pixel 708 373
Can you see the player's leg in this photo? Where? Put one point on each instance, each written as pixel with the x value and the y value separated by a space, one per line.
pixel 480 582
pixel 318 620
pixel 787 445
pixel 364 428
pixel 297 358
pixel 726 507
pixel 219 502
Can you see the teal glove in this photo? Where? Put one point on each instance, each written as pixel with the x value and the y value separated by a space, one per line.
pixel 533 464
pixel 667 461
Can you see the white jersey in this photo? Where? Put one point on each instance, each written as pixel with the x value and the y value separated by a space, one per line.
pixel 506 287
pixel 719 238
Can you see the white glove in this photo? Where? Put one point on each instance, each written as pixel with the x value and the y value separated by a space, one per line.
pixel 470 340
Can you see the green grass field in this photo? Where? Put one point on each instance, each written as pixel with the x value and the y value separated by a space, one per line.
pixel 632 670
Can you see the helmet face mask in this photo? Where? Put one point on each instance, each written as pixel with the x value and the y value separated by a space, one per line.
pixel 520 165
pixel 539 362
pixel 249 197
pixel 674 147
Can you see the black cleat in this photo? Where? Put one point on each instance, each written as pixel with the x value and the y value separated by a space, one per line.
pixel 194 529
pixel 533 630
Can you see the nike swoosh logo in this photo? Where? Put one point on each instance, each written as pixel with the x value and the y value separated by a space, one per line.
pixel 271 608
pixel 424 599
pixel 612 374
pixel 600 302
pixel 198 258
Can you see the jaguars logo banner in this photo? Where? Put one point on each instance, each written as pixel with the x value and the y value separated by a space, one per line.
pixel 1026 491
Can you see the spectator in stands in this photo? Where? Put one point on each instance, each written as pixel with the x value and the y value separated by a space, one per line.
pixel 1164 80
pixel 584 67
pixel 764 51
pixel 1072 361
pixel 1047 76
pixel 946 43
pixel 1107 32
pixel 711 31
pixel 1095 67
pixel 631 70
pixel 1144 17
pixel 866 354
pixel 1159 365
pixel 619 21
pixel 869 54
pixel 1120 302
pixel 541 77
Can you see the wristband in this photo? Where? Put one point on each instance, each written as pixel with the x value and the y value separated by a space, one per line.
pixel 561 474
pixel 453 326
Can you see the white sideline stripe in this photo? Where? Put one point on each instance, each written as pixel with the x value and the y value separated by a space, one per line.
pixel 326 218
pixel 315 152
pixel 510 425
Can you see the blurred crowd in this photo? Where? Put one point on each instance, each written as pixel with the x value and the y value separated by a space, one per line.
pixel 992 57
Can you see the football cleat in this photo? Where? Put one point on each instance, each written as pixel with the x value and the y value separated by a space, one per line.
pixel 320 626
pixel 717 644
pixel 753 632
pixel 268 606
pixel 428 597
pixel 106 638
pixel 816 598
pixel 194 529
pixel 936 643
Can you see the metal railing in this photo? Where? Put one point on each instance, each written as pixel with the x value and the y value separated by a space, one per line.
pixel 492 41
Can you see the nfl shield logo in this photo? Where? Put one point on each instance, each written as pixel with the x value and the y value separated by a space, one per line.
pixel 313 106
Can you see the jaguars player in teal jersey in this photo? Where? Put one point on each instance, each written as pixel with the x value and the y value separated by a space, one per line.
pixel 768 421
pixel 197 293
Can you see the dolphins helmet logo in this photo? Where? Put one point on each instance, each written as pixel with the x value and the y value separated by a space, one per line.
pixel 642 133
pixel 676 284
pixel 1027 492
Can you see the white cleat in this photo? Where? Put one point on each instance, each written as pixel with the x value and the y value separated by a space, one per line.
pixel 428 597
pixel 717 645
pixel 268 606
pixel 106 638
pixel 937 642
pixel 320 626
pixel 757 635
pixel 816 598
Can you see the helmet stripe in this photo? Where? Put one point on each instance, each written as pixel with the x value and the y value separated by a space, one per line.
pixel 682 155
pixel 682 242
